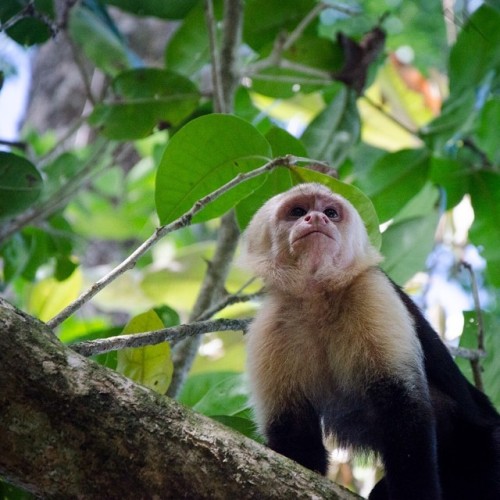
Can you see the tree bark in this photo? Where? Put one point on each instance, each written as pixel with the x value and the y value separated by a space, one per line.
pixel 72 428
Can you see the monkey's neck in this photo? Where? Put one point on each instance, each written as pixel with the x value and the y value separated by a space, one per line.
pixel 300 284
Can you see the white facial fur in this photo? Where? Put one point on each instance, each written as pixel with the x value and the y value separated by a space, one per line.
pixel 307 237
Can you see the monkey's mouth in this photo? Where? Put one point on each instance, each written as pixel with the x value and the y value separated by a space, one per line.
pixel 313 231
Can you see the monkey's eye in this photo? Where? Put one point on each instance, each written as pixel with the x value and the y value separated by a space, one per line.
pixel 297 212
pixel 331 213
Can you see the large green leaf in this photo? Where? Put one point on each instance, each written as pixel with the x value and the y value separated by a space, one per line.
pixel 28 30
pixel 277 181
pixel 475 53
pixel 485 231
pixel 151 365
pixel 222 396
pixel 455 120
pixel 453 176
pixel 406 245
pixel 188 50
pixel 100 42
pixel 146 98
pixel 331 135
pixel 216 393
pixel 204 155
pixel 487 131
pixel 20 184
pixel 409 239
pixel 395 178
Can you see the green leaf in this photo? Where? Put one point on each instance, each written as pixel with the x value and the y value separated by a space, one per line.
pixel 20 184
pixel 15 254
pixel 453 176
pixel 188 50
pixel 245 426
pixel 309 51
pixel 409 239
pixel 173 9
pixel 395 178
pixel 28 30
pixel 283 143
pixel 487 130
pixel 331 135
pixel 151 365
pixel 216 393
pixel 204 155
pixel 146 98
pixel 359 200
pixel 476 52
pixel 99 41
pixel 266 19
pixel 455 120
pixel 167 315
pixel 277 181
pixel 490 367
pixel 485 231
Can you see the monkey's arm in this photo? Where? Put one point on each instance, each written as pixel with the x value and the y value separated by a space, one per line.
pixel 296 433
pixel 407 442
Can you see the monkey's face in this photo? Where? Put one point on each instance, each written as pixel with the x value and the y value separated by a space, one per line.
pixel 313 224
pixel 307 235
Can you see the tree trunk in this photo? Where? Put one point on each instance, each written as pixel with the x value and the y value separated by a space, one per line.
pixel 72 428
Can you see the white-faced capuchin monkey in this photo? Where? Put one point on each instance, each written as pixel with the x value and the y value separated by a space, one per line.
pixel 338 349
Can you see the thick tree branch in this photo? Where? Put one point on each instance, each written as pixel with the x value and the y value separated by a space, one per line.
pixel 71 428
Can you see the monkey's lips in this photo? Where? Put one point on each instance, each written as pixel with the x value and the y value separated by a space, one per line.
pixel 311 232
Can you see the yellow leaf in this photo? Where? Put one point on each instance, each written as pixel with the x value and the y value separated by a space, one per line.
pixel 150 366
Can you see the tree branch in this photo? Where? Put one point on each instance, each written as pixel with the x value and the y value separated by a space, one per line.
pixel 100 346
pixel 475 362
pixel 90 431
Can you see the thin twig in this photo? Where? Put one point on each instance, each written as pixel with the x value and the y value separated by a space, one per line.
pixel 184 220
pixel 212 40
pixel 303 25
pixel 231 41
pixel 230 300
pixel 14 144
pixel 100 346
pixel 469 354
pixel 283 43
pixel 475 363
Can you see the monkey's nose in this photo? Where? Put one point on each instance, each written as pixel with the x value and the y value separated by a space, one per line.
pixel 316 218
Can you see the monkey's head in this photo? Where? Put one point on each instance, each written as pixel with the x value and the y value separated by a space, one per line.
pixel 305 237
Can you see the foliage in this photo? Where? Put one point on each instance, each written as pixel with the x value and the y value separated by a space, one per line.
pixel 393 141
